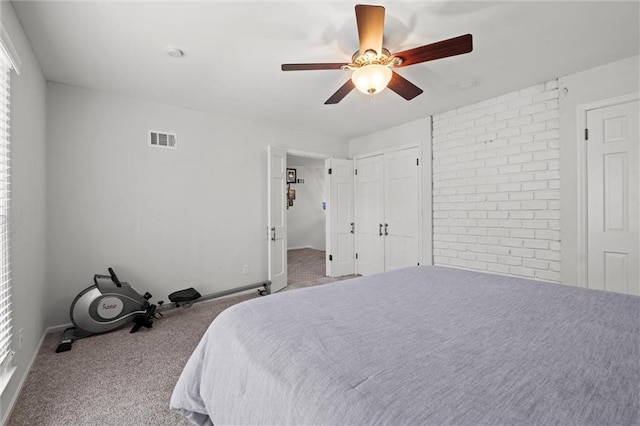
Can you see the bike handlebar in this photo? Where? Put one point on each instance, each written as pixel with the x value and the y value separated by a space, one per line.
pixel 114 277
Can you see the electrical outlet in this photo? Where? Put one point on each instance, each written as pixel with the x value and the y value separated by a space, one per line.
pixel 245 269
pixel 20 338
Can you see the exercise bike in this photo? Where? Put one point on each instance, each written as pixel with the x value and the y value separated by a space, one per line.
pixel 110 304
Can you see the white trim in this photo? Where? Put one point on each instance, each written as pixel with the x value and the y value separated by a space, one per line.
pixel 416 144
pixel 7 46
pixel 583 231
pixel 57 328
pixel 308 154
pixel 305 247
pixel 427 197
pixel 420 206
pixel 8 370
pixel 23 379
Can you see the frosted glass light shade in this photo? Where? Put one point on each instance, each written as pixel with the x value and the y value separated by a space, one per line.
pixel 371 79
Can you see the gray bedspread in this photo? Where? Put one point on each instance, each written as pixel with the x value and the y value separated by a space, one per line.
pixel 419 346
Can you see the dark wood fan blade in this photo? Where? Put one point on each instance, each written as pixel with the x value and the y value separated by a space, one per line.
pixel 442 49
pixel 308 67
pixel 341 93
pixel 403 87
pixel 370 20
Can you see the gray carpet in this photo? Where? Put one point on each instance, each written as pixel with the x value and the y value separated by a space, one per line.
pixel 120 378
pixel 305 265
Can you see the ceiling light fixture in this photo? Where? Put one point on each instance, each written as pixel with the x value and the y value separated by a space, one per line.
pixel 368 62
pixel 372 72
pixel 371 79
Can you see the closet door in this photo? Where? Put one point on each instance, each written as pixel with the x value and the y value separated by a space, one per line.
pixel 369 215
pixel 401 209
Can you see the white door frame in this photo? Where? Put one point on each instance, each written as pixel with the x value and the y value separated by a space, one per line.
pixel 583 235
pixel 318 156
pixel 391 149
pixel 309 154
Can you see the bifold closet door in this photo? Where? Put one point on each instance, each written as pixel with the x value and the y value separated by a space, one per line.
pixel 370 215
pixel 401 209
pixel 387 211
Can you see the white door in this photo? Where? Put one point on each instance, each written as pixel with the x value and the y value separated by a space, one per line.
pixel 277 219
pixel 613 196
pixel 370 215
pixel 340 253
pixel 401 209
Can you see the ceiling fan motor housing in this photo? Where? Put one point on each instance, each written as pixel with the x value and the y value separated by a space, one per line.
pixel 372 64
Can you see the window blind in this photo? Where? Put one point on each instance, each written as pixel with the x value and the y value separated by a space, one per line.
pixel 5 270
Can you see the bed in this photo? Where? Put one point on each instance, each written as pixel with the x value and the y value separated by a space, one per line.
pixel 423 345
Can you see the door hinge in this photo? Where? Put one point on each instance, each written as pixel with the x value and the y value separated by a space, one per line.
pixel 356 170
pixel 330 257
pixel 586 134
pixel 417 161
pixel 356 256
pixel 330 171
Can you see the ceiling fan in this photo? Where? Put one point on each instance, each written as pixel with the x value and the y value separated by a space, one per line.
pixel 373 65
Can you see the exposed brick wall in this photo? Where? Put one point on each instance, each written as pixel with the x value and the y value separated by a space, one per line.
pixel 496 185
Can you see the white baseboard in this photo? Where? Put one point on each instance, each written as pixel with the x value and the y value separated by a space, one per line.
pixel 55 328
pixel 23 379
pixel 305 247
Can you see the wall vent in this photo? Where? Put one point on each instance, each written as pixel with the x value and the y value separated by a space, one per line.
pixel 162 139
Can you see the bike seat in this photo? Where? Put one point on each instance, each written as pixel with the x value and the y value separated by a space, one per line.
pixel 186 295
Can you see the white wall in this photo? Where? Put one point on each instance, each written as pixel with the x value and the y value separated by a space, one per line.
pixel 306 218
pixel 608 81
pixel 416 133
pixel 163 219
pixel 28 209
pixel 496 184
pixel 552 252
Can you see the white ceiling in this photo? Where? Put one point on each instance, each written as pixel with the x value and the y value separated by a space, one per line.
pixel 233 53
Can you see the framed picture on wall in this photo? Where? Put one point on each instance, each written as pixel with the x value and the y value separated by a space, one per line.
pixel 291 175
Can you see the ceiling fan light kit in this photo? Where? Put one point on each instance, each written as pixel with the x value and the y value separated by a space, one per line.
pixel 371 79
pixel 372 64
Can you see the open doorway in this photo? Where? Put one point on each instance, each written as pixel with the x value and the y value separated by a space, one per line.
pixel 306 220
